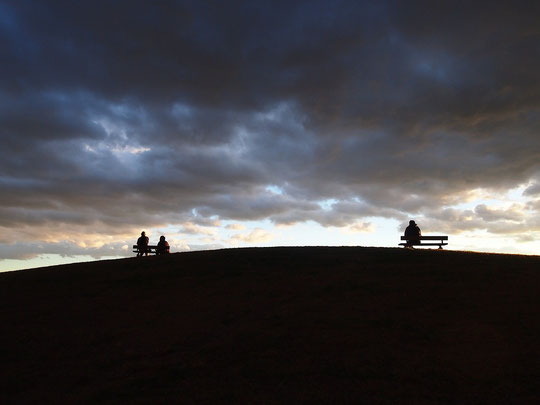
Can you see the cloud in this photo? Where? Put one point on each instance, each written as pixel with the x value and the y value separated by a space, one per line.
pixel 122 116
pixel 361 227
pixel 236 227
pixel 534 205
pixel 513 213
pixel 258 235
pixel 518 222
pixel 532 190
pixel 191 228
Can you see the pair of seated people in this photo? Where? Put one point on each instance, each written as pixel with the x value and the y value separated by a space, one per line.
pixel 162 247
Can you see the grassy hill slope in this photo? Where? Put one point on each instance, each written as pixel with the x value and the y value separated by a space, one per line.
pixel 275 325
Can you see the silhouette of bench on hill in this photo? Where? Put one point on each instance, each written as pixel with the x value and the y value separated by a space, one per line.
pixel 440 244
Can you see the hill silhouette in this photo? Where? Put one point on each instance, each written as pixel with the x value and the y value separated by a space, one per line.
pixel 275 325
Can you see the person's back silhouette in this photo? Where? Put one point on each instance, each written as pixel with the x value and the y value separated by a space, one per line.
pixel 162 246
pixel 142 244
pixel 412 234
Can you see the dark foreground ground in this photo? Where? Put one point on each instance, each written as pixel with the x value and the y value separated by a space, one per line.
pixel 276 325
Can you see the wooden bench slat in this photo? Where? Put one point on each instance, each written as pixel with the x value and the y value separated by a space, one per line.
pixel 440 238
pixel 151 249
pixel 425 244
pixel 429 238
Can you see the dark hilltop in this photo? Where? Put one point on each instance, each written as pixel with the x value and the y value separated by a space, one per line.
pixel 275 325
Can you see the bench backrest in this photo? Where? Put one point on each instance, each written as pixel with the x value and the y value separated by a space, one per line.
pixel 429 238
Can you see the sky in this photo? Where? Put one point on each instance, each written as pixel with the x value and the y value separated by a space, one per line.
pixel 266 123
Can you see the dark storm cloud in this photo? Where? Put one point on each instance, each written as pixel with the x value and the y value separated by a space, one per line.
pixel 114 114
pixel 532 190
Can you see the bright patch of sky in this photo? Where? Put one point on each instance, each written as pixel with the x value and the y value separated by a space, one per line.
pixel 48 260
pixel 482 241
pixel 327 204
pixel 381 232
pixel 274 189
pixel 133 150
pixel 369 231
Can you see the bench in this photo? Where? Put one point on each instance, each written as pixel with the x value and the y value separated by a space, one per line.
pixel 151 249
pixel 439 238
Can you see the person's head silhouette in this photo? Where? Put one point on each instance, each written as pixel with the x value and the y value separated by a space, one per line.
pixel 162 237
pixel 411 222
pixel 143 233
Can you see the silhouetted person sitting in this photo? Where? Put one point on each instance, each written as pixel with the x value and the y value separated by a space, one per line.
pixel 142 244
pixel 162 246
pixel 412 234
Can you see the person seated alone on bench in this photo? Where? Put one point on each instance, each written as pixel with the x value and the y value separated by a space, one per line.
pixel 412 234
pixel 162 246
pixel 142 244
